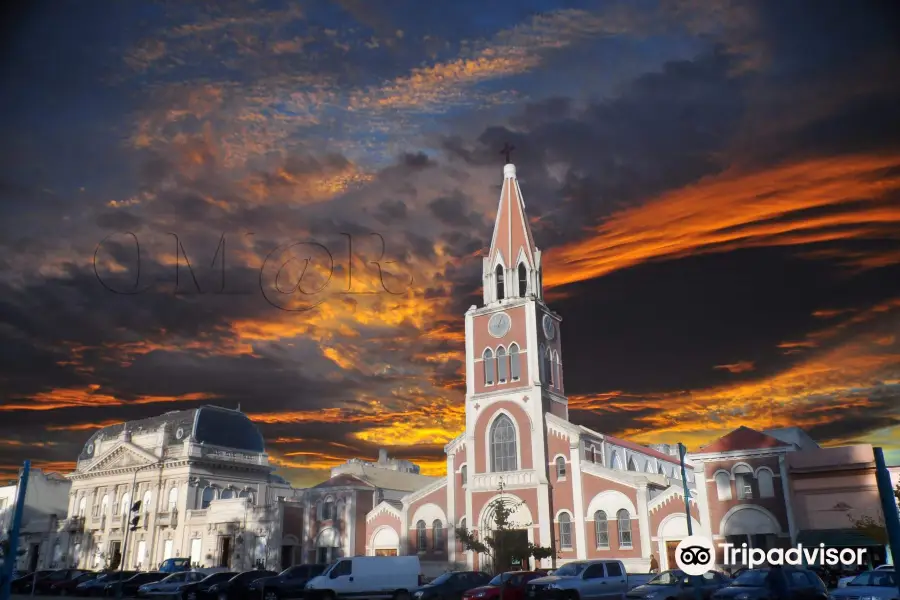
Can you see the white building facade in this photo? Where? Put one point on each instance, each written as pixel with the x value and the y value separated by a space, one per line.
pixel 46 501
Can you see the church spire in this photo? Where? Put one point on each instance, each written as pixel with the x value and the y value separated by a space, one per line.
pixel 512 266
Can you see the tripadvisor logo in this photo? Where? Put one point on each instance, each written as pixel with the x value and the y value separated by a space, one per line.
pixel 696 554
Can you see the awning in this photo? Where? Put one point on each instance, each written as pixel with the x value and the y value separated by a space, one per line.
pixel 837 538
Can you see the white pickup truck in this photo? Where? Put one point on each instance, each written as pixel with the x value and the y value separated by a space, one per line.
pixel 586 580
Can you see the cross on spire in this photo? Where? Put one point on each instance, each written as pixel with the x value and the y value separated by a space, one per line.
pixel 507 150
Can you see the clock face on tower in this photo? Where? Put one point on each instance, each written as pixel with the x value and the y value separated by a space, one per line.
pixel 549 327
pixel 499 324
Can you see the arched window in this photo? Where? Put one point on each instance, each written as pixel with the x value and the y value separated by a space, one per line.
pixel 601 529
pixel 616 461
pixel 565 531
pixel 488 357
pixel 624 528
pixel 503 445
pixel 437 534
pixel 743 482
pixel 145 502
pixel 649 468
pixel 209 494
pixel 523 280
pixel 464 474
pixel 542 364
pixel 82 506
pixel 328 509
pixel 548 367
pixel 515 367
pixel 723 485
pixel 227 494
pixel 421 537
pixel 173 499
pixel 631 465
pixel 502 366
pixel 766 484
pixel 593 454
pixel 498 273
pixel 560 467
pixel 557 367
pixel 659 470
pixel 126 504
pixel 104 504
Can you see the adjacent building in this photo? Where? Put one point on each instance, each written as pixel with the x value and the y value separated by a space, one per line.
pixel 46 502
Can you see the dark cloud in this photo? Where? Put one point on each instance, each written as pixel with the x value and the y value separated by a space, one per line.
pixel 452 210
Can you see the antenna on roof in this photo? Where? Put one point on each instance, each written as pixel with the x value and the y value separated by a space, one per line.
pixel 239 407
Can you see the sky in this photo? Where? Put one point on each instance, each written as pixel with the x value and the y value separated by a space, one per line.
pixel 715 187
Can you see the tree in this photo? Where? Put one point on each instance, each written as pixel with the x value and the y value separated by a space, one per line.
pixel 504 541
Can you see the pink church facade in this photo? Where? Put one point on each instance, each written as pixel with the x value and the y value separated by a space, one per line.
pixel 582 493
pixel 588 495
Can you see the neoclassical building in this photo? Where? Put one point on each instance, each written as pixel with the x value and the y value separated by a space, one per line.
pixel 206 488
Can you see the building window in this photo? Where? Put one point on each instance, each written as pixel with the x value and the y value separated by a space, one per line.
pixel 601 529
pixel 498 273
pixel 565 531
pixel 631 465
pixel 464 474
pixel 227 494
pixel 659 470
pixel 125 508
pixel 560 467
pixel 616 462
pixel 421 537
pixel 488 358
pixel 523 280
pixel 82 506
pixel 593 454
pixel 437 534
pixel 624 528
pixel 766 483
pixel 548 367
pixel 502 366
pixel 515 367
pixel 743 480
pixel 209 494
pixel 503 445
pixel 557 368
pixel 104 505
pixel 723 485
pixel 328 510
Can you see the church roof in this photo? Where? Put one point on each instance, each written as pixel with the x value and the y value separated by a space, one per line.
pixel 512 232
pixel 742 438
pixel 387 479
pixel 645 450
pixel 211 425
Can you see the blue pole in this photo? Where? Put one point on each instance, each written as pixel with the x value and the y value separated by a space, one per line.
pixel 888 505
pixel 682 451
pixel 9 561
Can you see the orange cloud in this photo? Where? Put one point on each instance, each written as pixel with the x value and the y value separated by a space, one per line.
pixel 739 210
pixel 89 396
pixel 739 367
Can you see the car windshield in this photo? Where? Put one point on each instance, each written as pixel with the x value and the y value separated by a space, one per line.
pixel 572 569
pixel 172 578
pixel 442 579
pixel 292 571
pixel 876 579
pixel 667 578
pixel 499 579
pixel 216 577
pixel 754 578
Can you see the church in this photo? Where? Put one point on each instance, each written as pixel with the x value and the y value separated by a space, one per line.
pixel 580 492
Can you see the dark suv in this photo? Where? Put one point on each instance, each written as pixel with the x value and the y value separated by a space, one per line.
pixel 755 584
pixel 237 587
pixel 287 584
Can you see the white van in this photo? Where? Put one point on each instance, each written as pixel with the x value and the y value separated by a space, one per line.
pixel 368 577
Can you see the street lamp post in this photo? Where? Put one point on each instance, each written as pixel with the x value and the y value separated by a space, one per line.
pixel 136 504
pixel 682 450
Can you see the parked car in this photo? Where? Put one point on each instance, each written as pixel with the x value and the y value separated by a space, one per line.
pixel 290 583
pixel 67 587
pixel 584 578
pixel 512 584
pixel 42 586
pixel 369 577
pixel 174 565
pixel 678 585
pixel 238 586
pixel 22 585
pixel 130 585
pixel 451 585
pixel 753 584
pixel 843 581
pixel 876 584
pixel 95 586
pixel 200 590
pixel 169 584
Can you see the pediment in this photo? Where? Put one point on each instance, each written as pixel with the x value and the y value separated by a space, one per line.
pixel 122 456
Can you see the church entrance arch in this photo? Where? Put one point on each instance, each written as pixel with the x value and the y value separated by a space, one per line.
pixel 327 546
pixel 513 543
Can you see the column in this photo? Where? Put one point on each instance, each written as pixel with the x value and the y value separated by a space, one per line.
pixel 788 504
pixel 577 501
pixel 644 520
pixel 703 501
pixel 451 508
